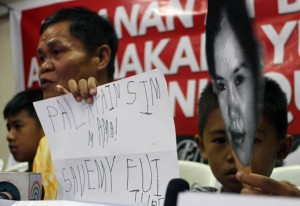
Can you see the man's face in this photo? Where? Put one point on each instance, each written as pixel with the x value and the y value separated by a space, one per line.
pixel 62 57
pixel 218 151
pixel 234 84
pixel 23 136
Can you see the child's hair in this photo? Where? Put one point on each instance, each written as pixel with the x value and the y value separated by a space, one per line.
pixel 275 107
pixel 24 101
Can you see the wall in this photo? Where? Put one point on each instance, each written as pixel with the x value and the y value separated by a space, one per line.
pixel 6 81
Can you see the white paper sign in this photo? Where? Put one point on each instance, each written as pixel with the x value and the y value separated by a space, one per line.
pixel 121 149
pixel 212 199
pixel 52 203
pixel 55 203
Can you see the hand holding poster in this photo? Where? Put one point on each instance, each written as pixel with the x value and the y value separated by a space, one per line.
pixel 121 149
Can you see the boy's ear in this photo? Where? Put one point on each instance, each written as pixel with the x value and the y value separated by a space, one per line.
pixel 103 54
pixel 285 146
pixel 201 147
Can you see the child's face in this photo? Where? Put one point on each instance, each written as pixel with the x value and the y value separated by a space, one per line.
pixel 216 149
pixel 23 136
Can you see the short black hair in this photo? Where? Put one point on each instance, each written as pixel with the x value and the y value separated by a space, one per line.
pixel 208 102
pixel 274 107
pixel 24 101
pixel 236 13
pixel 92 29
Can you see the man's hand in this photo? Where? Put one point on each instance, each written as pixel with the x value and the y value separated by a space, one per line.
pixel 84 89
pixel 263 185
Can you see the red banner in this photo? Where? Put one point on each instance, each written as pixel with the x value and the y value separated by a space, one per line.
pixel 170 35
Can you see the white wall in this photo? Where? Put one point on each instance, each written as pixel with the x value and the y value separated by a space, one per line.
pixel 7 84
pixel 6 81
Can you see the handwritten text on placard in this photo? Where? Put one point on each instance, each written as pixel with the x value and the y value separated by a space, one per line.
pixel 120 149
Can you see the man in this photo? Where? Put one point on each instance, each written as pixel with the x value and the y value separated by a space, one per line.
pixel 76 51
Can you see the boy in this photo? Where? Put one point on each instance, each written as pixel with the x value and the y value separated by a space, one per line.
pixel 23 126
pixel 271 143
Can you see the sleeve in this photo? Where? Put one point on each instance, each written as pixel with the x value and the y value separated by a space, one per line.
pixel 42 163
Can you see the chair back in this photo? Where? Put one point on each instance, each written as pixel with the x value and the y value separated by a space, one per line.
pixel 1 164
pixel 196 174
pixel 19 167
pixel 290 173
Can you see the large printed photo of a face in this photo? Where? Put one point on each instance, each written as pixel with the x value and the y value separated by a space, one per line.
pixel 236 72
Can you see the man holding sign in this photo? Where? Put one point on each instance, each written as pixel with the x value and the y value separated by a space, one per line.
pixel 117 146
pixel 78 44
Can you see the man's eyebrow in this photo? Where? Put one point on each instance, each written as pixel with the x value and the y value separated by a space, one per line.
pixel 50 44
pixel 54 43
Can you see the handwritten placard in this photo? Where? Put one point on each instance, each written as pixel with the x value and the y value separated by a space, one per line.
pixel 120 149
pixel 54 203
pixel 51 203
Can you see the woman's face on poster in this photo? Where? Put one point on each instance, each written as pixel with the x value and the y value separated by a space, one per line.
pixel 234 84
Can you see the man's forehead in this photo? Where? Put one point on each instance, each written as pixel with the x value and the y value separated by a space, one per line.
pixel 65 25
pixel 55 34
